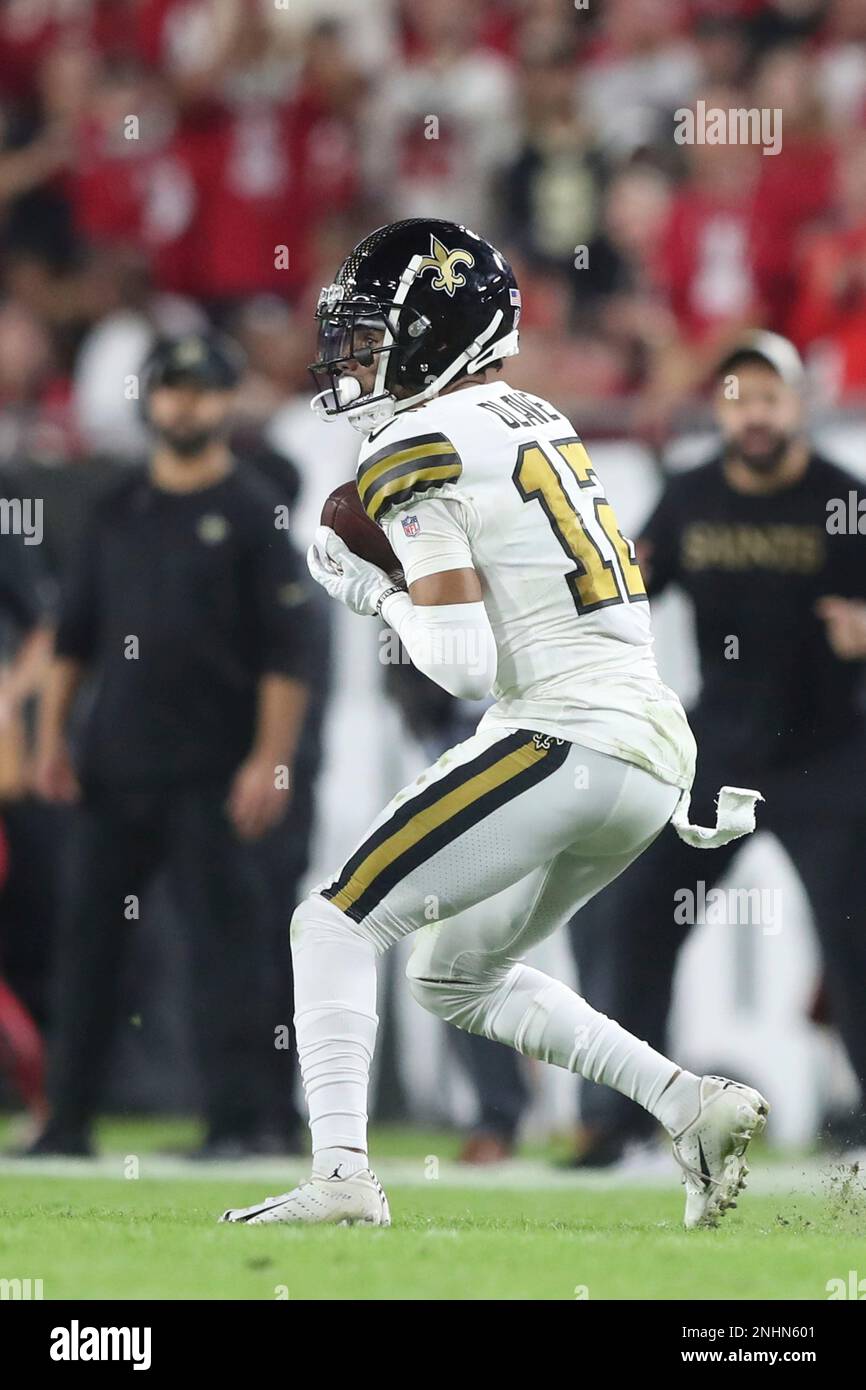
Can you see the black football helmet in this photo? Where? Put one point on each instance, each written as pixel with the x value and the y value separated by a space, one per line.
pixel 446 302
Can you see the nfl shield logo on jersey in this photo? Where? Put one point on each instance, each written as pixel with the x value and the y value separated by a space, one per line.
pixel 411 525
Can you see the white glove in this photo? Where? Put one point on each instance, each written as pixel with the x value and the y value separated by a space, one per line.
pixel 345 576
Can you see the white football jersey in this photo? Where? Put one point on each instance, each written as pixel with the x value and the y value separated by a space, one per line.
pixel 506 472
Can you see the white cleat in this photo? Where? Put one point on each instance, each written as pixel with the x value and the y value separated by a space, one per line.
pixel 712 1149
pixel 335 1201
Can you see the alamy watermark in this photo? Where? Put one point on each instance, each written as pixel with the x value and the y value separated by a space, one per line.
pixel 727 907
pixel 20 1290
pixel 85 1343
pixel 440 646
pixel 853 1287
pixel 846 516
pixel 740 125
pixel 22 516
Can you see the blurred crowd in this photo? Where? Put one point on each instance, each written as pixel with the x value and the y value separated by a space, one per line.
pixel 168 162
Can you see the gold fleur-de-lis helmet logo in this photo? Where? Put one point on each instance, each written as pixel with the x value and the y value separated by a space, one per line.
pixel 444 262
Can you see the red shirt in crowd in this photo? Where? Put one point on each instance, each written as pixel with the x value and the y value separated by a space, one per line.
pixel 709 260
pixel 145 197
pixel 831 305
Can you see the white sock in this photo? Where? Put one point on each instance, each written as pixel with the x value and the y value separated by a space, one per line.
pixel 335 1025
pixel 339 1163
pixel 680 1102
pixel 541 1017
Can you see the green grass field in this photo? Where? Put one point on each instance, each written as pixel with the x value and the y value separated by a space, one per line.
pixel 96 1232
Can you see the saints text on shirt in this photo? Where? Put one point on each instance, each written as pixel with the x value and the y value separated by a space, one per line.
pixel 784 549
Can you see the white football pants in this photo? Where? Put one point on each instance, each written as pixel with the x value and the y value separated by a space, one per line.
pixel 505 808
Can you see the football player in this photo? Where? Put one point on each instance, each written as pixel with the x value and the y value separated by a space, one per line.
pixel 519 582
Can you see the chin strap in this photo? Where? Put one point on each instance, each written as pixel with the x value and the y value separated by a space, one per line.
pixel 735 816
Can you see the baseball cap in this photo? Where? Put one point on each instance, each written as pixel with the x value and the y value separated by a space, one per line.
pixel 778 353
pixel 209 359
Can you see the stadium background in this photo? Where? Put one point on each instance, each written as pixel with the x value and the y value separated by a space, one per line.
pixel 266 139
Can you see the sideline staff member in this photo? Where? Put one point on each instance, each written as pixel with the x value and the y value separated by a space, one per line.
pixel 780 620
pixel 187 605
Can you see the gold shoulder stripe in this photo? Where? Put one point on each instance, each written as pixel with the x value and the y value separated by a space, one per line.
pixel 415 453
pixel 401 489
pixel 395 472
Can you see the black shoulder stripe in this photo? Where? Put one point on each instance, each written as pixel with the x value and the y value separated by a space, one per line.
pixel 399 470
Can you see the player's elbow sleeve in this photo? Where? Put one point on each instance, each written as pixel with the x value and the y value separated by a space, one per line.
pixel 472 679
pixel 452 643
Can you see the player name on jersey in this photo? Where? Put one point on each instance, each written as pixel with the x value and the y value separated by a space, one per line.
pixel 516 409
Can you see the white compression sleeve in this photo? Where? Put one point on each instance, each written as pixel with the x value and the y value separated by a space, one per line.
pixel 335 1021
pixel 451 643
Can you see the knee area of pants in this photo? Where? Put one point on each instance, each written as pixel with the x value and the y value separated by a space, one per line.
pixel 426 992
pixel 439 997
pixel 434 964
pixel 315 916
pixel 462 1003
pixel 426 984
pixel 455 998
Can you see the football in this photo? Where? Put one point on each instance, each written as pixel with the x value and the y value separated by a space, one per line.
pixel 344 513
